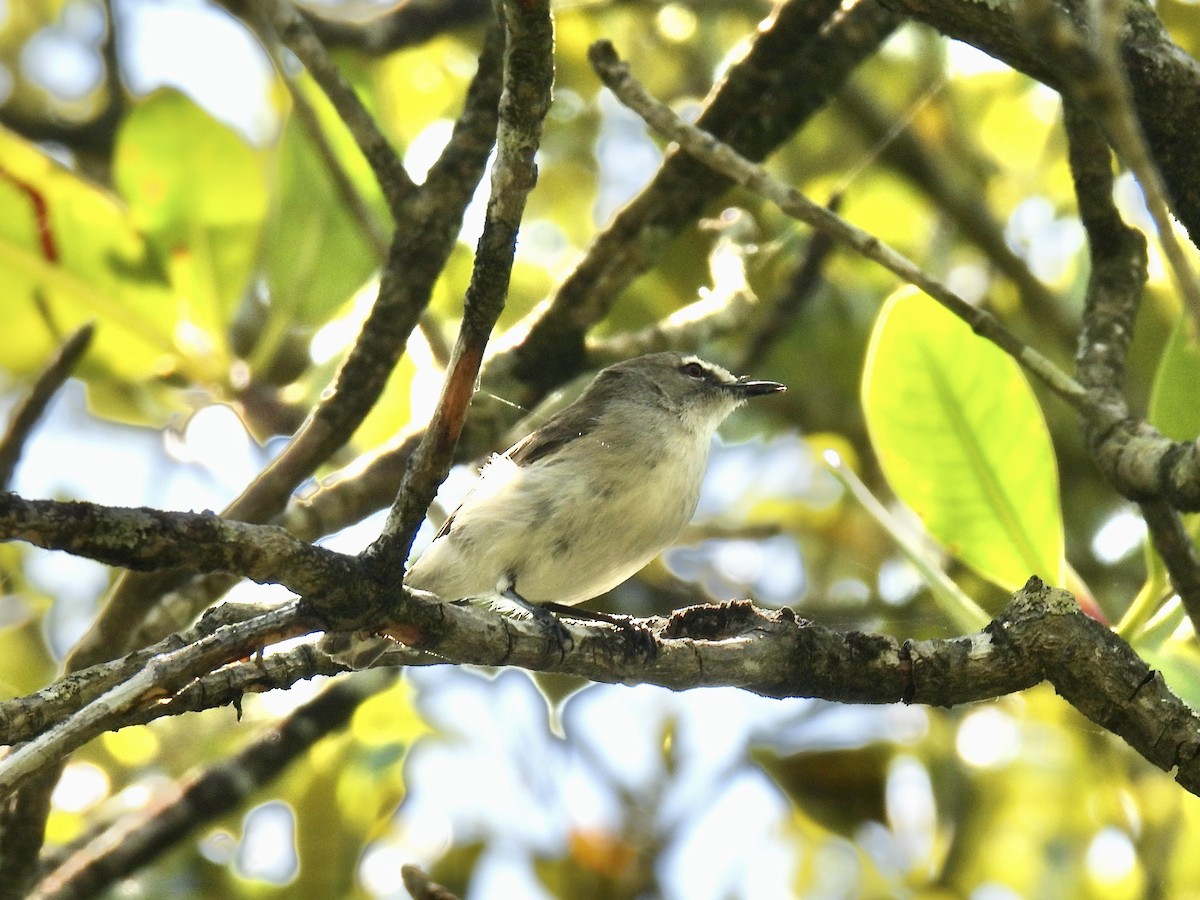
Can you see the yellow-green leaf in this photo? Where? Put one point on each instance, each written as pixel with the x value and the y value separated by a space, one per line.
pixel 1173 408
pixel 315 254
pixel 962 441
pixel 69 254
pixel 198 191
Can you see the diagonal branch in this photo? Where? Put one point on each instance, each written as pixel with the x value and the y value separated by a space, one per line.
pixel 141 836
pixel 419 250
pixel 801 56
pixel 165 673
pixel 297 34
pixel 27 414
pixel 616 76
pixel 26 717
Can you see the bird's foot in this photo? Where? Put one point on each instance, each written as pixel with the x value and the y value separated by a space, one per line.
pixel 545 619
pixel 636 635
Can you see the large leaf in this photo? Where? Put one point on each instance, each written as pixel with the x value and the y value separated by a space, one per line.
pixel 962 441
pixel 198 191
pixel 315 253
pixel 1173 408
pixel 69 254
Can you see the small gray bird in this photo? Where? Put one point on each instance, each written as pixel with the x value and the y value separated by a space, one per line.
pixel 585 501
pixel 588 499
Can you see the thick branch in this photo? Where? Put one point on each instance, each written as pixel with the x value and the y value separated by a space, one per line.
pixel 150 539
pixel 1040 636
pixel 398 26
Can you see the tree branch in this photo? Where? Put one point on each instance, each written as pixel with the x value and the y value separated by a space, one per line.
pixel 151 539
pixel 948 180
pixel 615 74
pixel 1040 636
pixel 528 78
pixel 298 36
pixel 420 247
pixel 30 410
pixel 141 836
pixel 162 674
pixel 789 73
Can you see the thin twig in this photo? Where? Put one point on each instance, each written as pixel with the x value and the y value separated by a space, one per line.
pixel 662 119
pixel 945 179
pixel 785 307
pixel 298 36
pixel 798 60
pixel 30 410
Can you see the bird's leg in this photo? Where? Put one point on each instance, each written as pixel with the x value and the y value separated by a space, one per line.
pixel 545 619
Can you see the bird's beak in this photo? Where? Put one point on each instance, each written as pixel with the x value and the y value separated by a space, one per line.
pixel 748 388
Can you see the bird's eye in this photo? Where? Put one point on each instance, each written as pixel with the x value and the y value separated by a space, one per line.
pixel 693 370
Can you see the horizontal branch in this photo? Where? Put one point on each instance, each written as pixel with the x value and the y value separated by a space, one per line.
pixel 1040 636
pixel 149 539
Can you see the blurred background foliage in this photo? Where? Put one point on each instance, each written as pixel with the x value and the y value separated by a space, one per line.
pixel 163 186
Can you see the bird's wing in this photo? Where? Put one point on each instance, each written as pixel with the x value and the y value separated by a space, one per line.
pixel 445 529
pixel 559 431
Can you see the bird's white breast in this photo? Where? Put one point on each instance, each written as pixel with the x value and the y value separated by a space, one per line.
pixel 571 525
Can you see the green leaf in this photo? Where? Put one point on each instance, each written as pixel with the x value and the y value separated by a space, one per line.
pixel 962 441
pixel 69 254
pixel 198 191
pixel 1173 408
pixel 315 253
